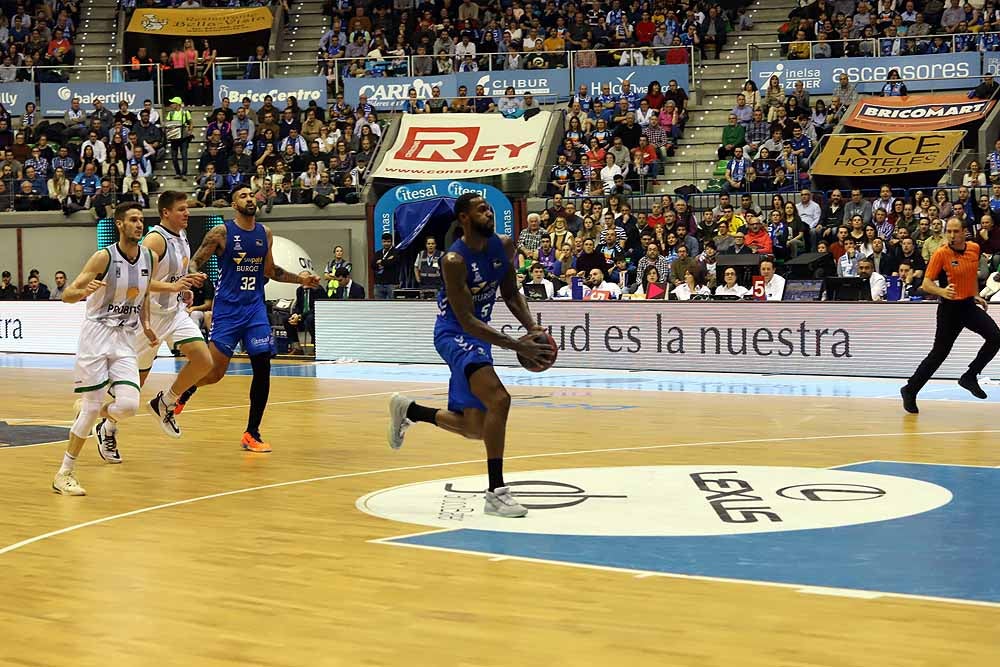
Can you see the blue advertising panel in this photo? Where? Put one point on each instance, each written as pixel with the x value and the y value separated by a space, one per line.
pixel 640 77
pixel 948 71
pixel 13 96
pixel 548 85
pixel 304 89
pixel 405 194
pixel 55 97
pixel 389 93
pixel 991 62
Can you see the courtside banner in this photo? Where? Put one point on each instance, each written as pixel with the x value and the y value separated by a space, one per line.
pixel 446 146
pixel 886 153
pixel 743 337
pixel 48 327
pixel 199 22
pixel 917 112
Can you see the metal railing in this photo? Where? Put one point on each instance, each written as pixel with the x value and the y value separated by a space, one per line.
pixel 876 46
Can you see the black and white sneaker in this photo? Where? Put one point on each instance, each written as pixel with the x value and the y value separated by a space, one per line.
pixel 107 443
pixel 164 416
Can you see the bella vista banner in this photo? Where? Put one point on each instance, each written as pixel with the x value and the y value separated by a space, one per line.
pixel 200 22
pixel 886 153
pixel 917 112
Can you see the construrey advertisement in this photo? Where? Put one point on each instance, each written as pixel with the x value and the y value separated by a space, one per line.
pixel 886 153
pixel 917 112
pixel 792 338
pixel 445 146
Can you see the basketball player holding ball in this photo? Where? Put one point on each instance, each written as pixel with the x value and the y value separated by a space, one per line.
pixel 477 263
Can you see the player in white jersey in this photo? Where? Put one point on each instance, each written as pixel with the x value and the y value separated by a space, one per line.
pixel 116 282
pixel 169 320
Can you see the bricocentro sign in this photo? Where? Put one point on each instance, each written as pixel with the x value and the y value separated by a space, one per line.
pixel 886 153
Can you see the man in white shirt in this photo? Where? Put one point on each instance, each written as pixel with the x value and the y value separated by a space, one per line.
pixel 730 287
pixel 595 280
pixel 100 150
pixel 774 285
pixel 538 278
pixel 810 213
pixel 876 281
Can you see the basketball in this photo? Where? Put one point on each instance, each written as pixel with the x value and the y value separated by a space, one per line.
pixel 538 368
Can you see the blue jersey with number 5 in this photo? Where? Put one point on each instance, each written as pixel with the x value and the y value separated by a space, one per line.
pixel 241 267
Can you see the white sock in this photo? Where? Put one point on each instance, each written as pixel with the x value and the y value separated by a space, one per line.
pixel 111 426
pixel 68 463
pixel 170 398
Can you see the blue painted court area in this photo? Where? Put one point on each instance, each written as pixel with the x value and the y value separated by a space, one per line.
pixel 686 382
pixel 952 551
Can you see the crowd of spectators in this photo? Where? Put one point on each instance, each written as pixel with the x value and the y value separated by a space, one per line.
pixel 621 244
pixel 89 160
pixel 36 40
pixel 859 28
pixel 34 289
pixel 286 155
pixel 617 143
pixel 444 37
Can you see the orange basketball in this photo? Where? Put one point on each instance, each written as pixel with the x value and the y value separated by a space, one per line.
pixel 538 368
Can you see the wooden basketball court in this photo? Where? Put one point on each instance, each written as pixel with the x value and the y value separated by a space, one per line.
pixel 194 552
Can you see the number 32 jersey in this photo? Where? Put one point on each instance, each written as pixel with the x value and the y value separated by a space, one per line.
pixel 241 266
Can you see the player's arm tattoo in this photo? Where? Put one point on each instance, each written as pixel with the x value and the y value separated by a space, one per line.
pixel 282 276
pixel 213 244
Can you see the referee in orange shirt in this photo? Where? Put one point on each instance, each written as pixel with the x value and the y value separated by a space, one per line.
pixel 961 307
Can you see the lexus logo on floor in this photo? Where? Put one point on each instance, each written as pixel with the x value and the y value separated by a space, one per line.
pixel 831 492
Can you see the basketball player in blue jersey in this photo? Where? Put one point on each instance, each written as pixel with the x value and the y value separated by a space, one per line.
pixel 476 265
pixel 238 313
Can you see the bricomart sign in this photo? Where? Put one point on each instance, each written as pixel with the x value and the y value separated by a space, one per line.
pixel 886 153
pixel 917 112
pixel 795 338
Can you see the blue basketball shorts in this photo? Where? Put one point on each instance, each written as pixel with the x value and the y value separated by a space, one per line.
pixel 247 324
pixel 460 351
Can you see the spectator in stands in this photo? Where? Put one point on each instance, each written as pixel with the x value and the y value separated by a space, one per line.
pixel 78 200
pixel 733 136
pixel 986 89
pixel 256 64
pixel 974 177
pixel 894 86
pixel 105 198
pixel 60 286
pixel 736 171
pixel 8 291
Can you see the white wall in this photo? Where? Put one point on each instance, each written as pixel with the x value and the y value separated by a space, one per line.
pixel 51 249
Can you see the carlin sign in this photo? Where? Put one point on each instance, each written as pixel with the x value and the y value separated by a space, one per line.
pixel 917 112
pixel 886 153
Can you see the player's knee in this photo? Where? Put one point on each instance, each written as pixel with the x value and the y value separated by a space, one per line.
pixel 499 400
pixel 126 403
pixel 200 359
pixel 90 411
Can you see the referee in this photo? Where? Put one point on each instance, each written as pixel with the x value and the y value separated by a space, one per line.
pixel 959 309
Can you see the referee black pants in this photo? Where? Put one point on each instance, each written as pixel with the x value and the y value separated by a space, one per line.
pixel 952 317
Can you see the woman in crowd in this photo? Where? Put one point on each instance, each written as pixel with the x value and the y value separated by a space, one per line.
pixel 693 285
pixel 58 186
pixel 894 86
pixel 774 97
